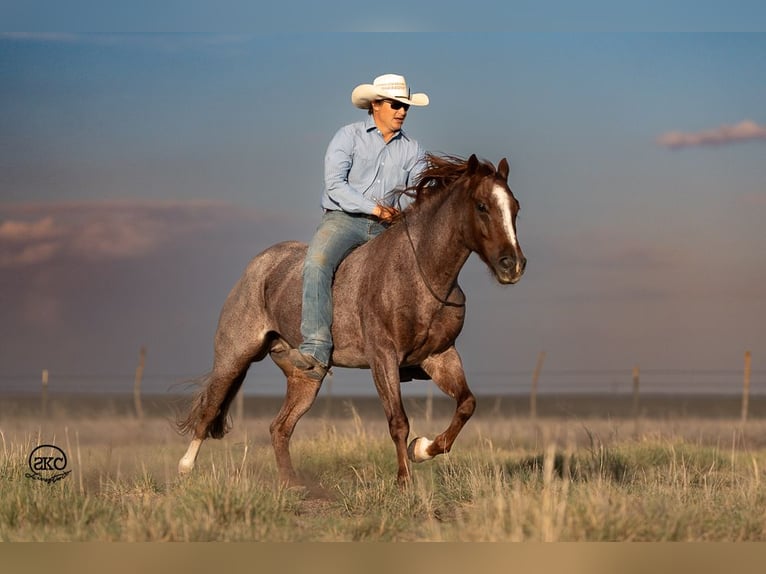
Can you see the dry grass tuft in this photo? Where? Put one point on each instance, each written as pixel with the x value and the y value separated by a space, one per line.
pixel 508 479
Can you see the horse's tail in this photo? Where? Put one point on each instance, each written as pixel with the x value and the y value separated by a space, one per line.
pixel 186 419
pixel 199 409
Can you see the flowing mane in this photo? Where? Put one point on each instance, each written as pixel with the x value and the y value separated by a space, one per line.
pixel 440 174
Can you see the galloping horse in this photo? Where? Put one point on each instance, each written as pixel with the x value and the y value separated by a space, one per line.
pixel 398 309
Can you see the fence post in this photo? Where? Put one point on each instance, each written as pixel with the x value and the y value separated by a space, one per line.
pixel 746 387
pixel 45 393
pixel 636 409
pixel 137 383
pixel 535 379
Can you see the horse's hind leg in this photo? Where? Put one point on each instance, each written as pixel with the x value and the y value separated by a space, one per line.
pixel 446 370
pixel 301 392
pixel 208 414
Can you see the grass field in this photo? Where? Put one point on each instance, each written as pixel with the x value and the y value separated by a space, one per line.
pixel 685 471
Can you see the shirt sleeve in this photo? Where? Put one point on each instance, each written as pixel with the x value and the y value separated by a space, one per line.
pixel 421 162
pixel 337 165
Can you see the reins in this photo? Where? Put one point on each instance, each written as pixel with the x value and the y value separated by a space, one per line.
pixel 420 269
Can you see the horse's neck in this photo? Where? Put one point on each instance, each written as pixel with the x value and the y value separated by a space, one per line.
pixel 436 235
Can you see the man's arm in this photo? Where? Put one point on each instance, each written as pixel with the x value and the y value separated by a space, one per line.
pixel 338 161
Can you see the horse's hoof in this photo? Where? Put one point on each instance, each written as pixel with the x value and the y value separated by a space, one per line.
pixel 418 449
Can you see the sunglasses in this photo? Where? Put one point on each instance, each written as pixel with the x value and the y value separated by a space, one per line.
pixel 397 105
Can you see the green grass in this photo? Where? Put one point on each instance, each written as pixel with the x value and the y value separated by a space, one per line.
pixel 549 480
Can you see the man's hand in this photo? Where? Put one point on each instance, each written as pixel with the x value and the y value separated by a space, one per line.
pixel 385 213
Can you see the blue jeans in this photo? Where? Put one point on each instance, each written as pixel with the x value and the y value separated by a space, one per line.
pixel 337 235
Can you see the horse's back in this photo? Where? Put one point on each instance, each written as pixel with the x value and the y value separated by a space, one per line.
pixel 267 299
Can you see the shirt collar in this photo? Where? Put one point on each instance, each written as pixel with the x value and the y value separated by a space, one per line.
pixel 369 125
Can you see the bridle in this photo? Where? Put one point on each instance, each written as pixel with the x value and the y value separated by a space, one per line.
pixel 420 269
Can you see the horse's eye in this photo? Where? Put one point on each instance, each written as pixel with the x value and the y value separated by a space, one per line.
pixel 482 207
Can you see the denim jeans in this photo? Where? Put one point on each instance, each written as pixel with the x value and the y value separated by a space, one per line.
pixel 337 235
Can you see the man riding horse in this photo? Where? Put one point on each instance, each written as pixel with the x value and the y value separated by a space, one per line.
pixel 365 162
pixel 396 309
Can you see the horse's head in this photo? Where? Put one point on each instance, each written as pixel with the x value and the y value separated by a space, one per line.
pixel 491 228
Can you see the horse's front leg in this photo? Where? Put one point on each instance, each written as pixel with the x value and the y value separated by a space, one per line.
pixel 385 372
pixel 446 370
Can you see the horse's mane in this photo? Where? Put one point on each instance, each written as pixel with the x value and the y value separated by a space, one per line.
pixel 440 173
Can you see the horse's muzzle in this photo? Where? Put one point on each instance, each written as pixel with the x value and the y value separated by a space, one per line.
pixel 509 269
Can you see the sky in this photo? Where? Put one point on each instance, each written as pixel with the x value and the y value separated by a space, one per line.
pixel 140 172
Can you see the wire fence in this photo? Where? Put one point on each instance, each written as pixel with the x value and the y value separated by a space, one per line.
pixel 353 382
pixel 617 381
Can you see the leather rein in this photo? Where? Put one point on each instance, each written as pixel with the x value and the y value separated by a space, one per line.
pixel 436 296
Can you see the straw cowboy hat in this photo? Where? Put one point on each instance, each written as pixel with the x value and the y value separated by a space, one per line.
pixel 386 87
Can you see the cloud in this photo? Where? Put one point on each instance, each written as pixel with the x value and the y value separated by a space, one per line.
pixel 21 231
pixel 746 130
pixel 36 233
pixel 90 278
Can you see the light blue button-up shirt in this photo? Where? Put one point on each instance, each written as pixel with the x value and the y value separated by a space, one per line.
pixel 361 170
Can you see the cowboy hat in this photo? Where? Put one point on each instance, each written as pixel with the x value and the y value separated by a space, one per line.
pixel 386 87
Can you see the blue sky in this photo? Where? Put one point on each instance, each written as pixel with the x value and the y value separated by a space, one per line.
pixel 140 172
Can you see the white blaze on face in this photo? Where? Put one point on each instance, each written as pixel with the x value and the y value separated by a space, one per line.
pixel 504 205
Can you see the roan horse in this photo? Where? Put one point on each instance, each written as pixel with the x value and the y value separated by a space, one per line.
pixel 397 310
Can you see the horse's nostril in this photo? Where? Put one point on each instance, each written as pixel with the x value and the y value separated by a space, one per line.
pixel 509 264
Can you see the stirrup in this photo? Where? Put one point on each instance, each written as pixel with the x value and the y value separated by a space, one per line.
pixel 308 364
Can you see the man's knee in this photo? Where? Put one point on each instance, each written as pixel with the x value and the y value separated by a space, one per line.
pixel 316 261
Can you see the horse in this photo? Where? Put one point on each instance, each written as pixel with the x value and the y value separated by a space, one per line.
pixel 398 310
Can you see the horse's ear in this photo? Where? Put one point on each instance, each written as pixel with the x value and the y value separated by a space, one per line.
pixel 473 163
pixel 503 169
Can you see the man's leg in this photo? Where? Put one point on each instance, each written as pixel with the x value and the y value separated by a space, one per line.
pixel 337 235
